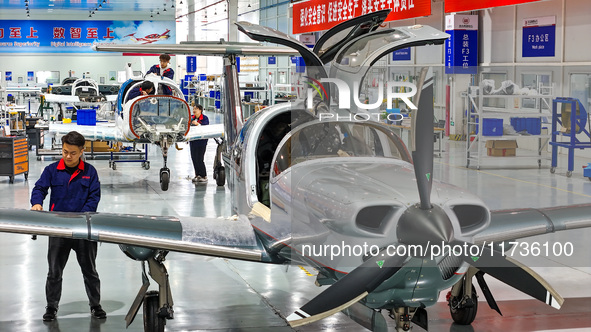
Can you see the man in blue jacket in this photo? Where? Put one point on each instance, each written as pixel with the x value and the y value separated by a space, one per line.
pixel 163 70
pixel 199 146
pixel 75 187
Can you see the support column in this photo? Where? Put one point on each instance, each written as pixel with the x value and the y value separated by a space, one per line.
pixel 459 83
pixel 232 18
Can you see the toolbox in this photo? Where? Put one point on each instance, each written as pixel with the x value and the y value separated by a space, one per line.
pixel 14 156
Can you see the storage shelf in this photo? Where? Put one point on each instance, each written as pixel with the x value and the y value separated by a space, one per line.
pixel 476 151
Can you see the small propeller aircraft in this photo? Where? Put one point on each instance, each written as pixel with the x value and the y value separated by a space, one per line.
pixel 330 183
pixel 151 38
pixel 156 119
pixel 74 90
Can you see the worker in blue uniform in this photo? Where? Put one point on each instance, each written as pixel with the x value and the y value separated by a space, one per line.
pixel 199 146
pixel 75 187
pixel 163 70
pixel 144 89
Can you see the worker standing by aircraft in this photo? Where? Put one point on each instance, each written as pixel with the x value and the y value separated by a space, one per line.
pixel 75 187
pixel 163 70
pixel 198 146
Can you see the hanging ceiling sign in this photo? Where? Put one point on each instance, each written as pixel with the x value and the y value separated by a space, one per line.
pixel 539 37
pixel 319 15
pixel 32 36
pixel 454 6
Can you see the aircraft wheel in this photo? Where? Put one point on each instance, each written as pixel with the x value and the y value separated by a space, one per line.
pixel 164 180
pixel 463 314
pixel 152 321
pixel 220 176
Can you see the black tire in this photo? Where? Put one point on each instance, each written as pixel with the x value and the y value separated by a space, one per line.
pixel 114 166
pixel 164 180
pixel 552 170
pixel 152 321
pixel 463 315
pixel 220 178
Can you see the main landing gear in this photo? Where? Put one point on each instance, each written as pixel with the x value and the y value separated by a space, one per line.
pixel 157 304
pixel 462 299
pixel 219 171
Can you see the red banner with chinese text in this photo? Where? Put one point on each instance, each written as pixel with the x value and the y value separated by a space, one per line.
pixel 454 6
pixel 319 15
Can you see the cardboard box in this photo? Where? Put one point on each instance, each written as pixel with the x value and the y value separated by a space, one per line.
pixel 97 146
pixel 501 148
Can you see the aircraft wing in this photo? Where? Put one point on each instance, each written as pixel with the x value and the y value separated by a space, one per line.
pixel 229 238
pixel 519 223
pixel 204 132
pixel 102 131
pixel 53 98
pixel 200 48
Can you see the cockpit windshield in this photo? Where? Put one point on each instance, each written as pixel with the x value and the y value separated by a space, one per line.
pixel 162 114
pixel 337 139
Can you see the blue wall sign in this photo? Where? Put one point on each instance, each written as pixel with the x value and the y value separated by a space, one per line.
pixel 401 54
pixel 39 36
pixel 8 76
pixel 539 37
pixel 30 76
pixel 271 60
pixel 461 49
pixel 191 64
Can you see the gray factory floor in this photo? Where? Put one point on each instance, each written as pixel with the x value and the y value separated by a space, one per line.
pixel 213 294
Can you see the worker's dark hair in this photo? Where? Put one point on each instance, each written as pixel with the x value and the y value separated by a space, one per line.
pixel 165 57
pixel 74 138
pixel 199 107
pixel 147 85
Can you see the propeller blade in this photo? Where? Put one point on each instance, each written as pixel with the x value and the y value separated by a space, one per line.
pixel 422 128
pixel 514 274
pixel 349 290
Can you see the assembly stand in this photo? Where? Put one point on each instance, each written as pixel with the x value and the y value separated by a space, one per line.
pixel 576 120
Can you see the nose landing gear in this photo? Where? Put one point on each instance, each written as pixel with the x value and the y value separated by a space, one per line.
pixel 164 171
pixel 164 178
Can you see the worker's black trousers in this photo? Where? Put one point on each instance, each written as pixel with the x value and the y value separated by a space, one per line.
pixel 197 155
pixel 57 257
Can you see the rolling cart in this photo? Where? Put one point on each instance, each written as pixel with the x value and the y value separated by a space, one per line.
pixel 142 157
pixel 14 157
pixel 573 123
